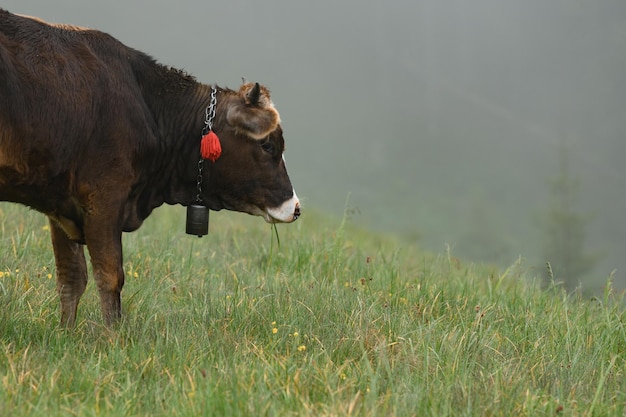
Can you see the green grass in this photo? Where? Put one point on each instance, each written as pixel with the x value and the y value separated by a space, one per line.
pixel 335 322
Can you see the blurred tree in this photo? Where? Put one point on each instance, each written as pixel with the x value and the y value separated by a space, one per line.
pixel 565 230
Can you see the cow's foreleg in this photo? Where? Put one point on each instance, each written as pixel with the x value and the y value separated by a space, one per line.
pixel 105 249
pixel 71 272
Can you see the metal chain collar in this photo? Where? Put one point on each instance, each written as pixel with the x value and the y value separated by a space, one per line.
pixel 199 185
pixel 209 115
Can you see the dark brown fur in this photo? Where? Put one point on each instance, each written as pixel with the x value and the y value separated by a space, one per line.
pixel 95 135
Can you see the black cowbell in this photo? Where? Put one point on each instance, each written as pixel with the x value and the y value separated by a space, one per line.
pixel 197 220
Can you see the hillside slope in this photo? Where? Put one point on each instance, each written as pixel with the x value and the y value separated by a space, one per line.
pixel 335 321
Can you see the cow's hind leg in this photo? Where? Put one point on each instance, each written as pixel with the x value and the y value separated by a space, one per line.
pixel 71 272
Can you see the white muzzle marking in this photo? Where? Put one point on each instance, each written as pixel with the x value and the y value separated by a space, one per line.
pixel 285 213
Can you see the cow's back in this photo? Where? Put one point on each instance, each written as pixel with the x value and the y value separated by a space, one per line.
pixel 53 80
pixel 70 106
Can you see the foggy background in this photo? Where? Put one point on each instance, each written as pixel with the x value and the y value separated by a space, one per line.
pixel 444 121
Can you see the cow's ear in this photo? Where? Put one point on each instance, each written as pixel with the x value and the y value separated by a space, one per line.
pixel 254 116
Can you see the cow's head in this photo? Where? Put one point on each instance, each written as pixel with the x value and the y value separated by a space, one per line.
pixel 250 175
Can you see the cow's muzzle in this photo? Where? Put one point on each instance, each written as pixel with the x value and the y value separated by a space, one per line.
pixel 296 212
pixel 287 212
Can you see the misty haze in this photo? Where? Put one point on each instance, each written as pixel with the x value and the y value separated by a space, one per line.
pixel 451 123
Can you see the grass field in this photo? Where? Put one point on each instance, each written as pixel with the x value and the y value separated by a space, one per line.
pixel 334 322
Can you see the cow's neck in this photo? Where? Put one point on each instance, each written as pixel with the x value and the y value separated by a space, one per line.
pixel 177 103
pixel 180 128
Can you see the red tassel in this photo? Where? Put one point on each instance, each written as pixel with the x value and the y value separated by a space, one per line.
pixel 210 147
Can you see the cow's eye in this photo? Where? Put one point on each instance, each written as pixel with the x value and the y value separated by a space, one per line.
pixel 268 147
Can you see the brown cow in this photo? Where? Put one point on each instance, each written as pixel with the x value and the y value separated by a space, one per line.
pixel 95 135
